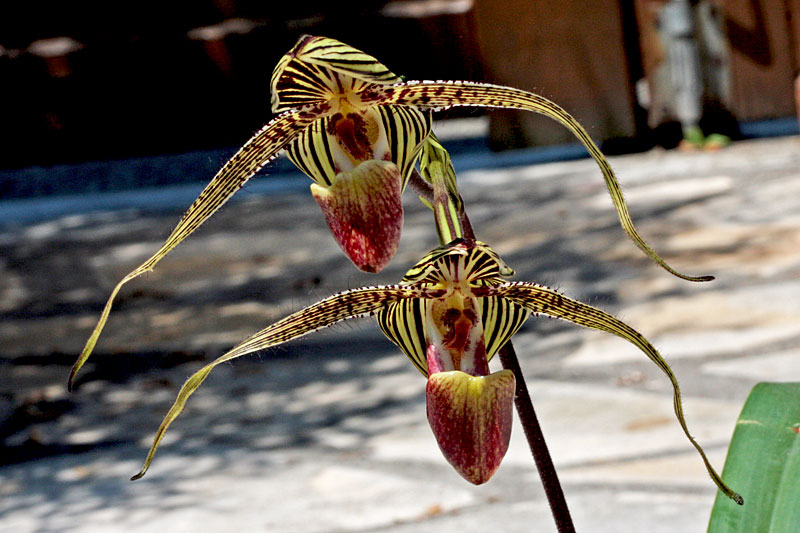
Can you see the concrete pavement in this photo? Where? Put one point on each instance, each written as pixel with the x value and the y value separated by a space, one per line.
pixel 329 432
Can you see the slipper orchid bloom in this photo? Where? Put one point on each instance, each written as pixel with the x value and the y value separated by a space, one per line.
pixel 450 314
pixel 356 129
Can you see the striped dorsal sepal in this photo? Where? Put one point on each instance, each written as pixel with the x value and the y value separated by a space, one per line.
pixel 318 69
pixel 463 266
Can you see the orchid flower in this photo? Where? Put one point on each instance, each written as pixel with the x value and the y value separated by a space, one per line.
pixel 450 314
pixel 356 129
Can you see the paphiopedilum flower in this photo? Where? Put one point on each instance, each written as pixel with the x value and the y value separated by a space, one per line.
pixel 450 314
pixel 356 129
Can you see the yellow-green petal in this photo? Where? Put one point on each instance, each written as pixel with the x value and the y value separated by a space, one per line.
pixel 342 306
pixel 258 151
pixel 439 95
pixel 542 300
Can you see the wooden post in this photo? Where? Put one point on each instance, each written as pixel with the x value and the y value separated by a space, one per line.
pixel 572 52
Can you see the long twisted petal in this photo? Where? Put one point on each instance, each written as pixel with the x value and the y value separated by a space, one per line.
pixel 257 152
pixel 439 95
pixel 341 306
pixel 542 300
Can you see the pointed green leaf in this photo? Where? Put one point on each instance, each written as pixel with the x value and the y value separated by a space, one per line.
pixel 448 207
pixel 764 463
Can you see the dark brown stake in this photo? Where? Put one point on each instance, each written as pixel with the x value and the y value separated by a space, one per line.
pixel 541 455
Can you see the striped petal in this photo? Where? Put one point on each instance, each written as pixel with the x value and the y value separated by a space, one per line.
pixel 406 131
pixel 405 322
pixel 319 68
pixel 335 144
pixel 542 300
pixel 342 306
pixel 312 153
pixel 257 152
pixel 502 319
pixel 440 95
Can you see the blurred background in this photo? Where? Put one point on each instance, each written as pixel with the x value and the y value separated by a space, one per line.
pixel 85 80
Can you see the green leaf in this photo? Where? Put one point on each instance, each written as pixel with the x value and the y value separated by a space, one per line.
pixel 764 464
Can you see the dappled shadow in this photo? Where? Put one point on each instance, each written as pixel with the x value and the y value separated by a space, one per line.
pixel 276 401
pixel 331 396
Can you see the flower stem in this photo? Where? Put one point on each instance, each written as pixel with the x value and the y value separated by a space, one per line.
pixel 541 455
pixel 508 356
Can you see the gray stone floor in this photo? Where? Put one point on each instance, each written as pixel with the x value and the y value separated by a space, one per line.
pixel 329 432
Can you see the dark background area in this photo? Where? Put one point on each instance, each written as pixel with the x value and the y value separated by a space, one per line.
pixel 97 80
pixel 144 80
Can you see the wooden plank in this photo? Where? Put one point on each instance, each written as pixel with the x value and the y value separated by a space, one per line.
pixel 763 58
pixel 793 10
pixel 572 52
